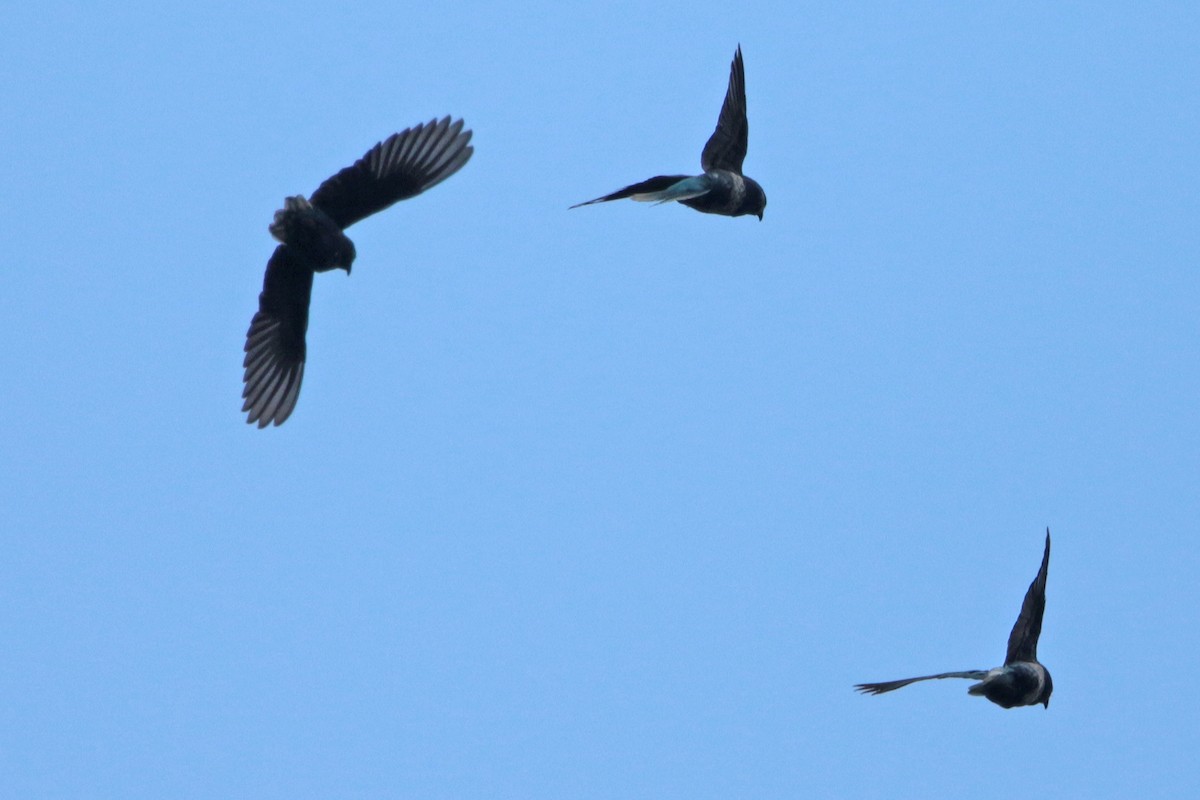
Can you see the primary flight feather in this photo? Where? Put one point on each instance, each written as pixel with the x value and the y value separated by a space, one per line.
pixel 312 240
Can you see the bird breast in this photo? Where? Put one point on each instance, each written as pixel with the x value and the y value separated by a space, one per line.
pixel 315 237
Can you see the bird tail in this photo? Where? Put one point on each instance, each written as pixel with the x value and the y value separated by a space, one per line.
pixel 291 205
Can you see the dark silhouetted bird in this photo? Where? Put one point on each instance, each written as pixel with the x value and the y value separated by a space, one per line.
pixel 401 166
pixel 722 189
pixel 1022 681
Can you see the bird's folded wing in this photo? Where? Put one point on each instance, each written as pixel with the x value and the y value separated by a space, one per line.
pixel 684 190
pixel 658 183
pixel 401 166
pixel 726 148
pixel 275 348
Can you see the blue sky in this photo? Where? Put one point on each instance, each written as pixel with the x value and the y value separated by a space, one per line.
pixel 618 501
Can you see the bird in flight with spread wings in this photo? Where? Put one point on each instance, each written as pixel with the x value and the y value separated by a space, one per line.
pixel 1022 681
pixel 312 240
pixel 722 188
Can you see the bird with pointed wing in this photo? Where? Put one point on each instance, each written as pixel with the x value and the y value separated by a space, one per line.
pixel 721 188
pixel 1022 680
pixel 312 240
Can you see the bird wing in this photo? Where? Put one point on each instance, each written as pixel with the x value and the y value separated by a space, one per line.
pixel 726 148
pixel 1022 642
pixel 650 186
pixel 401 166
pixel 888 686
pixel 698 186
pixel 275 348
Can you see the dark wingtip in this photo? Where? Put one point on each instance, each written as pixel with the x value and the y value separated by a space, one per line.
pixel 591 202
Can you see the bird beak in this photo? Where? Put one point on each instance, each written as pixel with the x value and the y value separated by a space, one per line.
pixel 1046 703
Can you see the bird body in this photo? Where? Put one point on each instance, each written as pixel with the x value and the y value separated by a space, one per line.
pixel 1022 680
pixel 314 235
pixel 721 188
pixel 730 194
pixel 1024 683
pixel 312 240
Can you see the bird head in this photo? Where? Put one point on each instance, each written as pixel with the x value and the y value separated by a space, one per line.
pixel 1044 698
pixel 333 249
pixel 756 199
pixel 345 254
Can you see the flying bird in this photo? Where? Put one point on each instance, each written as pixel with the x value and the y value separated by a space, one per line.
pixel 722 188
pixel 312 240
pixel 1022 681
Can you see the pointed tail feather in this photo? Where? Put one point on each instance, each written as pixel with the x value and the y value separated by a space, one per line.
pixel 888 686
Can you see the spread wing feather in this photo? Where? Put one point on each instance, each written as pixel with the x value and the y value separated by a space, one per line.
pixel 401 166
pixel 275 347
pixel 1022 642
pixel 888 686
pixel 726 148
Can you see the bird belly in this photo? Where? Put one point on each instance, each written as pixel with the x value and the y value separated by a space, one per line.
pixel 314 236
pixel 1013 685
pixel 727 190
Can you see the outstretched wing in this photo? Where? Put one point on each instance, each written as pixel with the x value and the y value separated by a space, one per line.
pixel 647 187
pixel 726 148
pixel 275 348
pixel 401 166
pixel 888 686
pixel 1022 642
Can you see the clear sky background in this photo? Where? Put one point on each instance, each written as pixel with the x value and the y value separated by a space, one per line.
pixel 616 502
